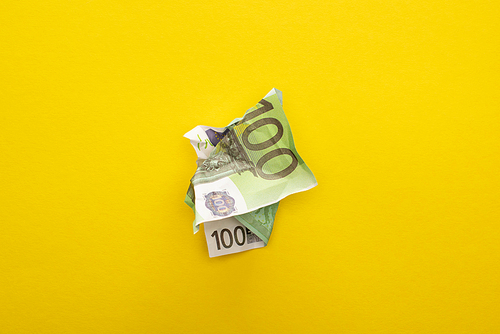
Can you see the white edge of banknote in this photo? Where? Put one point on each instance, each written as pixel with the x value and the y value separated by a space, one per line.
pixel 258 207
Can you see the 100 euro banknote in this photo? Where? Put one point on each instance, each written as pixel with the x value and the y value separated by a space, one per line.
pixel 245 169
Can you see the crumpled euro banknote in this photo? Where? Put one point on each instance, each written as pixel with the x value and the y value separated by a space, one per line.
pixel 243 171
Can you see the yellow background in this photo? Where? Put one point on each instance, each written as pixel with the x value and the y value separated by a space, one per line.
pixel 394 106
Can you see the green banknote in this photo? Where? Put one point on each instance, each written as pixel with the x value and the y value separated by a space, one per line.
pixel 246 168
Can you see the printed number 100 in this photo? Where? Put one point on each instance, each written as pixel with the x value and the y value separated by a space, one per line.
pixel 226 243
